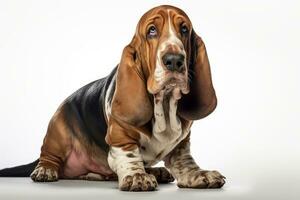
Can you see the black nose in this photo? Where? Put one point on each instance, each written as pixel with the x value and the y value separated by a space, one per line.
pixel 173 61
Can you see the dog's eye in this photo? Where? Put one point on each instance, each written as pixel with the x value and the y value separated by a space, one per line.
pixel 184 29
pixel 152 32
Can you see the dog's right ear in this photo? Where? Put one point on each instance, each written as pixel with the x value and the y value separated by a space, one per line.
pixel 131 103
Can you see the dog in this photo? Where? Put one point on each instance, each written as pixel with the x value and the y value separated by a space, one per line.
pixel 117 127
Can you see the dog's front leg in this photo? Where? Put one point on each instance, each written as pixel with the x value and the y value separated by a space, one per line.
pixel 187 173
pixel 129 167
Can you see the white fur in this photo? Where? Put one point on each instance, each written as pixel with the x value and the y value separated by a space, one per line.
pixel 163 140
pixel 92 176
pixel 160 120
pixel 107 102
pixel 175 122
pixel 173 39
pixel 159 72
pixel 124 165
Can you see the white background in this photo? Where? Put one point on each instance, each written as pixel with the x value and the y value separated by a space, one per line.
pixel 48 49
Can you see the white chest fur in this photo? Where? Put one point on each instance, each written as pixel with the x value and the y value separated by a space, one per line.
pixel 167 129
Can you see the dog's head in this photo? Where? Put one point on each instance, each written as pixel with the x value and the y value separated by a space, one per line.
pixel 165 53
pixel 164 36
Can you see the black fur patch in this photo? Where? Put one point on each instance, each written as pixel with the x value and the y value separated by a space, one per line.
pixel 85 109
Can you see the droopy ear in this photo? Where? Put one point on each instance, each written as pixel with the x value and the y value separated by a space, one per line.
pixel 201 100
pixel 131 103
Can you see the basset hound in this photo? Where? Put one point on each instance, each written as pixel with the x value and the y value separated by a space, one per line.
pixel 117 127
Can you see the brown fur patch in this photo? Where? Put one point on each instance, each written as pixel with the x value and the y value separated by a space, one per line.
pixel 57 142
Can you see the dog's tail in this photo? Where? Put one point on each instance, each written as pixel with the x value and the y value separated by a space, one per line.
pixel 19 171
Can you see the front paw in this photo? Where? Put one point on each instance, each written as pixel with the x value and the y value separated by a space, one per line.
pixel 138 182
pixel 202 179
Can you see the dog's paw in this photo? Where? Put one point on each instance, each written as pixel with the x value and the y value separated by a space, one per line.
pixel 161 174
pixel 138 182
pixel 44 174
pixel 202 179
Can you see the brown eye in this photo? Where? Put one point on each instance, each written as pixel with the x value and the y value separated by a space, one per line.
pixel 184 29
pixel 152 32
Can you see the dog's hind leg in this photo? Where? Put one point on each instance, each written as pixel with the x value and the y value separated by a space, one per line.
pixel 56 146
pixel 96 177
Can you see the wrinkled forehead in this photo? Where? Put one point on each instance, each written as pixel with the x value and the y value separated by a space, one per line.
pixel 163 13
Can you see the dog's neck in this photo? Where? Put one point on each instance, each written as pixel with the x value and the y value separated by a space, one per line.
pixel 165 110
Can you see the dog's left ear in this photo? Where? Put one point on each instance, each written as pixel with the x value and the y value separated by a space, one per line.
pixel 201 100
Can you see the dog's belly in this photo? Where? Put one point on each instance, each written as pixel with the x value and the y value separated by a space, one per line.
pixel 79 163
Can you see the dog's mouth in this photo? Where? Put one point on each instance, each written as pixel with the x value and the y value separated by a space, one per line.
pixel 170 83
pixel 174 83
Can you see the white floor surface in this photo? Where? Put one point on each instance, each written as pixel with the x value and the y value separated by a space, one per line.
pixel 24 188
